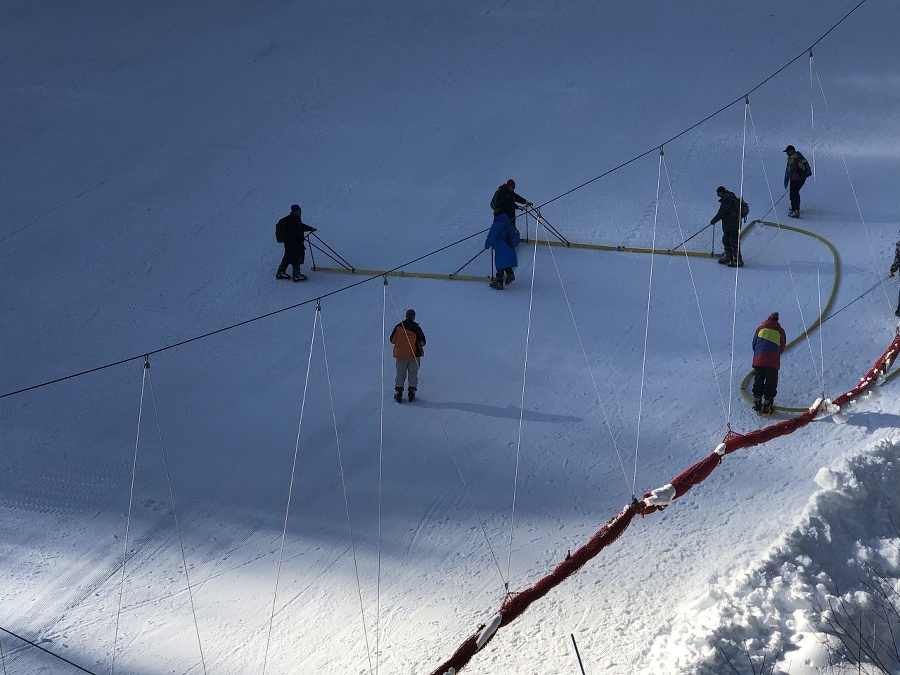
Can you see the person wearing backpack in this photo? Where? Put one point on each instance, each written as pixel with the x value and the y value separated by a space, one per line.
pixel 409 346
pixel 505 200
pixel 894 267
pixel 731 209
pixel 291 231
pixel 795 175
pixel 503 237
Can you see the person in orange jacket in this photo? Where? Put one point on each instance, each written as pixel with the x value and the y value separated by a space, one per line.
pixel 409 346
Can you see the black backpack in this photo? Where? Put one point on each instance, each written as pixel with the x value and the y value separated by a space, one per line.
pixel 745 208
pixel 513 237
pixel 279 232
pixel 803 166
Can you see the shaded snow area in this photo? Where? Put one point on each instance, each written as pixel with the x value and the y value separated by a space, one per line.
pixel 256 502
pixel 784 613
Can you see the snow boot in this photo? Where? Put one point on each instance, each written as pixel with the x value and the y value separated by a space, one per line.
pixel 794 213
pixel 398 394
pixel 510 277
pixel 299 276
pixel 725 260
pixel 757 405
pixel 411 393
pixel 739 263
pixel 768 408
pixel 498 282
pixel 281 274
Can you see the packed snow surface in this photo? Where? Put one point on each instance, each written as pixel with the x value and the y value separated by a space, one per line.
pixel 255 501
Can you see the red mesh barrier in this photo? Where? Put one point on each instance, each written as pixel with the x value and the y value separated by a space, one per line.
pixel 882 365
pixel 735 441
pixel 516 603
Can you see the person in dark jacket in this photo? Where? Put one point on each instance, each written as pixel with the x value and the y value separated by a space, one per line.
pixel 768 344
pixel 505 200
pixel 291 231
pixel 794 177
pixel 409 346
pixel 730 214
pixel 894 267
pixel 505 258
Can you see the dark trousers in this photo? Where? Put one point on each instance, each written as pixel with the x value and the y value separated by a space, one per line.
pixel 730 241
pixel 795 193
pixel 294 254
pixel 765 382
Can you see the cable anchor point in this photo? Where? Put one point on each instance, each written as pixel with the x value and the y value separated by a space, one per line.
pixel 146 362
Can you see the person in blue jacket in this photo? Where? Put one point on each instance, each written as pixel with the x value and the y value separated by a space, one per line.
pixel 503 237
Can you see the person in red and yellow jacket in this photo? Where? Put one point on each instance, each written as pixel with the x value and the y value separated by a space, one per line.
pixel 409 346
pixel 768 344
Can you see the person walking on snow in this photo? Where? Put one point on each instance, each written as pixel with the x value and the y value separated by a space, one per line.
pixel 730 214
pixel 503 237
pixel 768 344
pixel 409 346
pixel 795 175
pixel 505 200
pixel 291 231
pixel 894 267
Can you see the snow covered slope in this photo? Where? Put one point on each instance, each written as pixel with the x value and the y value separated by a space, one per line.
pixel 149 151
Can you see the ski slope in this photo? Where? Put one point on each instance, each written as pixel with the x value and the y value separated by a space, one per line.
pixel 149 152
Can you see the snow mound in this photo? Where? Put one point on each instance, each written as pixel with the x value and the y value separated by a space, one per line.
pixel 769 618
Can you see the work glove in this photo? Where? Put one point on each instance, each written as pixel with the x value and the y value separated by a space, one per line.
pixel 712 222
pixel 527 203
pixel 519 207
pixel 314 229
pixel 891 274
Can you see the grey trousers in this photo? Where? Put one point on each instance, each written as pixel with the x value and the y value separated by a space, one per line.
pixel 404 367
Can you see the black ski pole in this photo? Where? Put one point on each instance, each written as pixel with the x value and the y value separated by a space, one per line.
pixel 340 262
pixel 336 256
pixel 575 644
pixel 312 255
pixel 468 262
pixel 541 219
pixel 691 237
pixel 871 288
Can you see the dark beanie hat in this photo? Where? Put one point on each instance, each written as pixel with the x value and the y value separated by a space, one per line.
pixel 721 188
pixel 295 208
pixel 411 314
pixel 773 316
pixel 511 184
